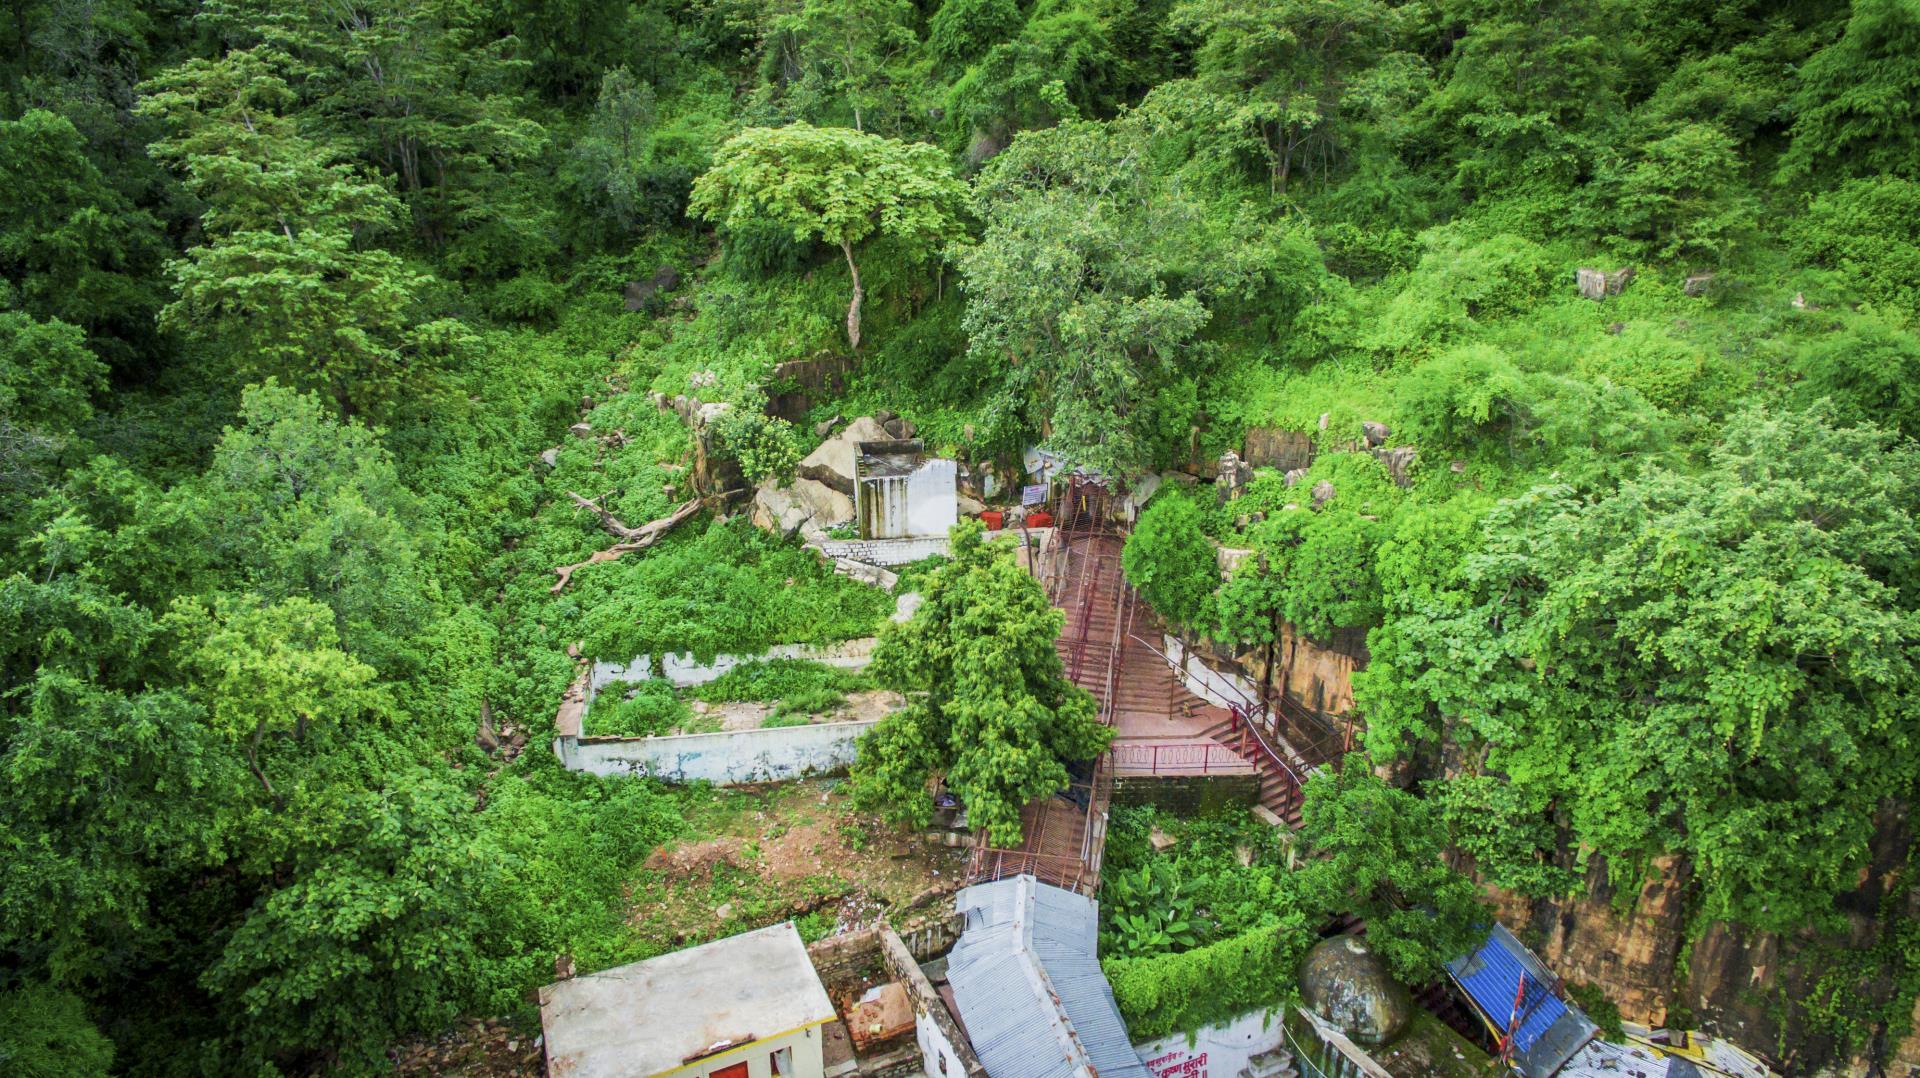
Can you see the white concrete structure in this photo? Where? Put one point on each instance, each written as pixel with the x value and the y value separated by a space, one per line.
pixel 682 670
pixel 728 758
pixel 885 551
pixel 749 1006
pixel 1216 1051
pixel 900 493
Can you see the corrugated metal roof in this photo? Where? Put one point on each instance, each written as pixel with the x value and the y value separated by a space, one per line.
pixel 1026 977
pixel 1550 1032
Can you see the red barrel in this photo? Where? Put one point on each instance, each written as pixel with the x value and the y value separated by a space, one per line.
pixel 1039 519
pixel 991 518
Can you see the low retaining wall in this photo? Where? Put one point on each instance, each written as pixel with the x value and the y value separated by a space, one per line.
pixel 1220 1051
pixel 1186 794
pixel 724 759
pixel 884 551
pixel 683 670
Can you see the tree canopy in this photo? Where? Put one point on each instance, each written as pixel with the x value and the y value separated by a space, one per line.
pixel 328 331
pixel 991 712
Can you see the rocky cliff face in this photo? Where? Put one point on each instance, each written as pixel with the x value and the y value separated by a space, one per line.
pixel 1317 675
pixel 1732 982
pixel 1634 947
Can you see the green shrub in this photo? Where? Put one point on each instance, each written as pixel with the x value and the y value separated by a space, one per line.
pixel 765 446
pixel 635 709
pixel 784 680
pixel 44 1033
pixel 1868 230
pixel 1185 990
pixel 1170 560
pixel 1605 1013
pixel 963 29
pixel 728 589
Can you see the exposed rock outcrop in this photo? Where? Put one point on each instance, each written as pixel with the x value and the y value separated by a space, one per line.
pixel 1270 447
pixel 1598 285
pixel 640 294
pixel 832 463
pixel 806 506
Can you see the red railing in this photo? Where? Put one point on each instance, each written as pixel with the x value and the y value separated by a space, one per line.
pixel 1196 756
pixel 1071 873
pixel 1071 578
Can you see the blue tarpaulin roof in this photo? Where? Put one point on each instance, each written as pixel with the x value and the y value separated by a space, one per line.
pixel 1550 1032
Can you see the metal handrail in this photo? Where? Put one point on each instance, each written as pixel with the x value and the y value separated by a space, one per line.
pixel 1184 755
pixel 1241 718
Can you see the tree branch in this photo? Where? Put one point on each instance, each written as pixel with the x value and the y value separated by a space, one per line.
pixel 631 539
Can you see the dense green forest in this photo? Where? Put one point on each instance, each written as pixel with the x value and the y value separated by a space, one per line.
pixel 296 295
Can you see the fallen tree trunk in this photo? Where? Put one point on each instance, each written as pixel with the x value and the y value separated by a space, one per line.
pixel 631 539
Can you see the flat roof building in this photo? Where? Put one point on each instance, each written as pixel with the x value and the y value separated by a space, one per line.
pixel 748 1006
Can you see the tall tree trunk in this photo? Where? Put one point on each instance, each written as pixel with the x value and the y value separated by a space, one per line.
pixel 853 310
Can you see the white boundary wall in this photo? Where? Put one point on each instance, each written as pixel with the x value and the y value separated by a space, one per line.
pixel 1214 686
pixel 724 759
pixel 1221 1051
pixel 884 551
pixel 682 670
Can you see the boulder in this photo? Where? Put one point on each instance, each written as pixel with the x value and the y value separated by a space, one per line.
pixel 805 506
pixel 865 573
pixel 984 148
pixel 1293 477
pixel 825 506
pixel 832 463
pixel 1698 284
pixel 905 604
pixel 581 430
pixel 968 507
pixel 641 293
pixel 1598 284
pixel 1398 462
pixel 1325 418
pixel 772 505
pixel 1322 493
pixel 825 427
pixel 1346 983
pixel 1375 433
pixel 1271 447
pixel 550 457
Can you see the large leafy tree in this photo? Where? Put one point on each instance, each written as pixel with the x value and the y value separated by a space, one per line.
pixel 48 379
pixel 832 185
pixel 315 508
pixel 1296 71
pixel 1170 560
pixel 838 51
pixel 73 247
pixel 1379 853
pixel 286 282
pixel 217 719
pixel 1718 664
pixel 1088 291
pixel 1853 109
pixel 990 707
